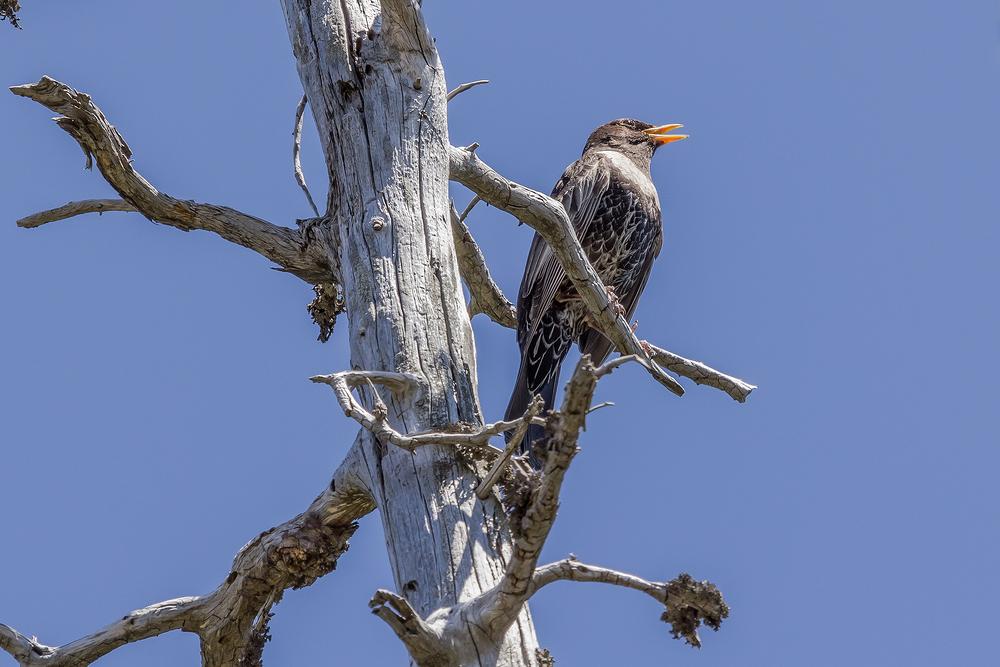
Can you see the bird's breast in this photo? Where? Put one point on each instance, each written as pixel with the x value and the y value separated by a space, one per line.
pixel 630 173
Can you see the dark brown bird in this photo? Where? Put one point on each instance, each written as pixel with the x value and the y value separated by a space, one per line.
pixel 614 208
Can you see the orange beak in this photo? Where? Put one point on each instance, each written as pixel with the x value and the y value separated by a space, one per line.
pixel 660 135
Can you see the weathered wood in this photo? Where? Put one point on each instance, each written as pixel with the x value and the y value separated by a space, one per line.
pixel 303 254
pixel 486 295
pixel 377 91
pixel 232 620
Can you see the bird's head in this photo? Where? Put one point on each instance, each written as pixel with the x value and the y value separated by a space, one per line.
pixel 633 137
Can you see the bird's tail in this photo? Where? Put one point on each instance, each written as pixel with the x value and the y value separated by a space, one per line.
pixel 519 400
pixel 541 360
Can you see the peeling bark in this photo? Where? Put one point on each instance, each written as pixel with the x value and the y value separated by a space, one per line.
pixel 377 91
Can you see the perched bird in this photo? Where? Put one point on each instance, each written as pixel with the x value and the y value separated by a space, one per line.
pixel 614 208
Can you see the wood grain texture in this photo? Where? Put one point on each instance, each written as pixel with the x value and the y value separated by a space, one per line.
pixel 377 91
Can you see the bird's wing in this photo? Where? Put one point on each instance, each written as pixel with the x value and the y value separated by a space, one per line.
pixel 592 341
pixel 580 191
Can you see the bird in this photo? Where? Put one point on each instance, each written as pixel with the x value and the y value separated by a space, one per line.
pixel 611 200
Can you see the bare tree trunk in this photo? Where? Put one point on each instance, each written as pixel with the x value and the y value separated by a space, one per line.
pixel 377 89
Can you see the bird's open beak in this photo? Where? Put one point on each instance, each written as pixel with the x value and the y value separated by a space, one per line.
pixel 660 135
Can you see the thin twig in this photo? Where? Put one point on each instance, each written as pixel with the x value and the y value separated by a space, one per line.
pixel 464 87
pixel 76 208
pixel 468 209
pixel 296 148
pixel 484 488
pixel 343 382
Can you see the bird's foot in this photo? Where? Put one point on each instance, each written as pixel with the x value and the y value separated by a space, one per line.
pixel 635 325
pixel 615 305
pixel 646 347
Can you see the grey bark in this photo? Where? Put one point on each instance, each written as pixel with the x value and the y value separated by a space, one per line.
pixel 377 90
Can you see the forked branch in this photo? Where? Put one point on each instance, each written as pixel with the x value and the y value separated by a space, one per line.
pixel 232 620
pixel 701 374
pixel 404 386
pixel 309 256
pixel 532 500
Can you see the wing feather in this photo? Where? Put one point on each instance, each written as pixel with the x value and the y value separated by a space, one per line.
pixel 580 191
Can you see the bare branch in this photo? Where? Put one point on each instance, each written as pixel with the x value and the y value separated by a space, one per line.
pixel 484 488
pixel 688 603
pixel 300 178
pixel 468 209
pixel 532 500
pixel 311 257
pixel 547 216
pixel 76 208
pixel 486 295
pixel 405 386
pixel 464 87
pixel 231 619
pixel 532 505
pixel 20 647
pixel 605 404
pixel 702 374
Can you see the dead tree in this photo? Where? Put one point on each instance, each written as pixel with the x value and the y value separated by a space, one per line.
pixel 465 522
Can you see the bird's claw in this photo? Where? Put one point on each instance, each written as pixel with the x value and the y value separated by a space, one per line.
pixel 615 305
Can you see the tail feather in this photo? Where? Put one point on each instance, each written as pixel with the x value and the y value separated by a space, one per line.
pixel 541 359
pixel 517 406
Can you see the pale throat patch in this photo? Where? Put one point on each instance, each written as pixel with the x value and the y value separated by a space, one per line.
pixel 630 171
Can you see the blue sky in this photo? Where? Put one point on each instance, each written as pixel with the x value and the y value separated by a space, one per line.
pixel 831 236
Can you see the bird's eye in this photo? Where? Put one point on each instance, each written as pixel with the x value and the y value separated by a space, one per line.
pixel 630 123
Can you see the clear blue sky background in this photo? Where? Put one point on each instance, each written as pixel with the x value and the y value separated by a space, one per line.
pixel 831 235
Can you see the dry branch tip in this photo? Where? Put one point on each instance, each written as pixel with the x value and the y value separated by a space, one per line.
pixel 464 87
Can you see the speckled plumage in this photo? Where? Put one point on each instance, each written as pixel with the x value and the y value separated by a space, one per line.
pixel 615 211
